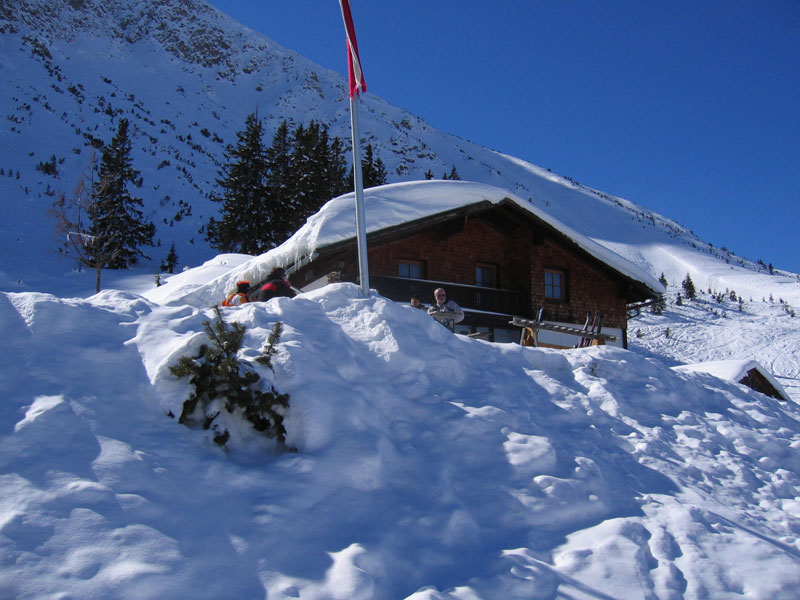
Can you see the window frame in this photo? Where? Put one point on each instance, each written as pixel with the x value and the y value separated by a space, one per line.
pixel 562 274
pixel 489 267
pixel 411 263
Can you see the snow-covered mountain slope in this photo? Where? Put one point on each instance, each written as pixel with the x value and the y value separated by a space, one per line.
pixel 186 76
pixel 715 327
pixel 428 466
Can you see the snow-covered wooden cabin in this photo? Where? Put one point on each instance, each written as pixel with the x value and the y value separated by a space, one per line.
pixel 495 254
pixel 747 372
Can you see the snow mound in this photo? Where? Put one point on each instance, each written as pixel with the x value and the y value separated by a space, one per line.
pixel 427 465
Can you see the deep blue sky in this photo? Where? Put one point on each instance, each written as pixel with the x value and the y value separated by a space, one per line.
pixel 689 108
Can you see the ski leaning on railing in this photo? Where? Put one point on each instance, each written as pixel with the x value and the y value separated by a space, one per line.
pixel 593 329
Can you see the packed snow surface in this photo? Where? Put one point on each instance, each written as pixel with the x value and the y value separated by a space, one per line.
pixel 424 464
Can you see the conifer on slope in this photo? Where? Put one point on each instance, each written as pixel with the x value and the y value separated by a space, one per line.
pixel 117 217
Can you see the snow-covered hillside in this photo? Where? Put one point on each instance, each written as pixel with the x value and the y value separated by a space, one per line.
pixel 427 465
pixel 186 76
pixel 715 327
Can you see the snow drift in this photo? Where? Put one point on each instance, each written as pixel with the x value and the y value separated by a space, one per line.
pixel 427 465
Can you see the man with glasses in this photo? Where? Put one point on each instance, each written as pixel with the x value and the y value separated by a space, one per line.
pixel 445 311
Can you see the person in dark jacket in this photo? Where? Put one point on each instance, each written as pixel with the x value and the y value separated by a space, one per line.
pixel 276 285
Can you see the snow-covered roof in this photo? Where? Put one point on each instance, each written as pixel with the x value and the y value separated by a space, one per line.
pixel 388 206
pixel 733 370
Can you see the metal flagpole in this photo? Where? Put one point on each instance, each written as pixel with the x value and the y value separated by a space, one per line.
pixel 357 85
pixel 361 229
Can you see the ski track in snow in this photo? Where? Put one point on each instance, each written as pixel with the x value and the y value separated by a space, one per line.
pixel 703 330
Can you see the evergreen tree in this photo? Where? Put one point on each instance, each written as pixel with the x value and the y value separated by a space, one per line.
pixel 373 170
pixel 303 142
pixel 117 218
pixel 222 380
pixel 318 172
pixel 171 261
pixel 428 174
pixel 75 219
pixel 688 287
pixel 659 305
pixel 245 219
pixel 268 193
pixel 280 187
pixel 453 176
pixel 663 280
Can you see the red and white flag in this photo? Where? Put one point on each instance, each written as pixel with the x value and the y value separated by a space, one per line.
pixel 356 75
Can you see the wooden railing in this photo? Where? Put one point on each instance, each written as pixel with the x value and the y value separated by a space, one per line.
pixel 467 296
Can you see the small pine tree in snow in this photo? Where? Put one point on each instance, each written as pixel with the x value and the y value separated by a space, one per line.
pixel 221 382
pixel 663 280
pixel 453 176
pixel 688 287
pixel 659 305
pixel 171 261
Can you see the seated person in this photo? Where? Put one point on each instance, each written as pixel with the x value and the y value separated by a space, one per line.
pixel 442 305
pixel 276 285
pixel 239 296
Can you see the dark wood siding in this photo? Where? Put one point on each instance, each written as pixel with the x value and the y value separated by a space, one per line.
pixel 450 248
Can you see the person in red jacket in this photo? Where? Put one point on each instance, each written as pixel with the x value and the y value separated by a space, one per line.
pixel 276 285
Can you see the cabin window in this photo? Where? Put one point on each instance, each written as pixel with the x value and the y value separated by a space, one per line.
pixel 485 275
pixel 412 269
pixel 555 285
